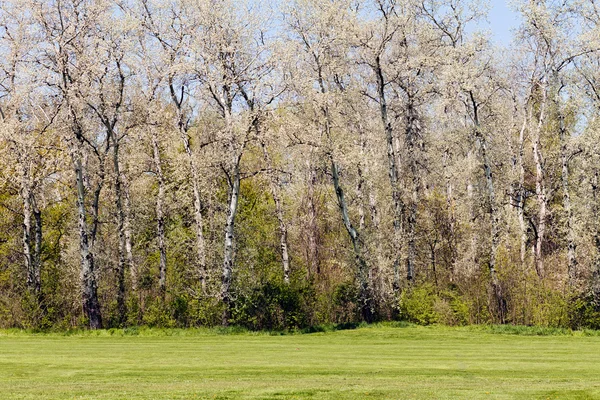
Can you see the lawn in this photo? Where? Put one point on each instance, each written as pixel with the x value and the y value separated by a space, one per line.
pixel 366 363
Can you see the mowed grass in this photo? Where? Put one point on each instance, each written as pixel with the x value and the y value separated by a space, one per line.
pixel 366 363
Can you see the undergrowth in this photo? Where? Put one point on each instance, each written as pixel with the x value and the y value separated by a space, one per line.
pixel 328 328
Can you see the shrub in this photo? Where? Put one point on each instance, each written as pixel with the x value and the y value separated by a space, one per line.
pixel 424 305
pixel 158 315
pixel 452 308
pixel 345 300
pixel 206 312
pixel 271 306
pixel 585 312
pixel 418 305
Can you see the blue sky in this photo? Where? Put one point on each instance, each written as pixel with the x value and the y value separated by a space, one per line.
pixel 502 19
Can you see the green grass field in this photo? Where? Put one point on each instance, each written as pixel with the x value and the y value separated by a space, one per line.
pixel 366 363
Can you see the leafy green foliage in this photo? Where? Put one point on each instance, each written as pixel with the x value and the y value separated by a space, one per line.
pixel 272 306
pixel 425 305
pixel 585 312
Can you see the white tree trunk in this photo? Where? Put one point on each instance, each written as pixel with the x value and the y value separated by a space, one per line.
pixel 128 236
pixel 32 235
pixel 540 187
pixel 312 223
pixel 365 293
pixel 521 193
pixel 564 156
pixel 200 246
pixel 596 216
pixel 160 217
pixel 412 145
pixel 91 305
pixel 283 234
pixel 451 215
pixel 392 172
pixel 228 255
pixel 500 305
pixel 200 242
pixel 121 301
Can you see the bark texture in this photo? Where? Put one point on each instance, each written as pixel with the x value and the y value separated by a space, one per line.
pixel 160 215
pixel 392 156
pixel 500 301
pixel 540 186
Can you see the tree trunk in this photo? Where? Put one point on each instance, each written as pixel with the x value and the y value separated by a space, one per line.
pixel 128 236
pixel 521 193
pixel 495 233
pixel 363 273
pixel 564 156
pixel 32 236
pixel 37 251
pixel 412 137
pixel 160 217
pixel 473 205
pixel 365 295
pixel 596 216
pixel 360 192
pixel 313 225
pixel 275 192
pixel 91 305
pixel 500 305
pixel 392 172
pixel 228 257
pixel 121 304
pixel 200 246
pixel 183 131
pixel 27 229
pixel 451 215
pixel 540 188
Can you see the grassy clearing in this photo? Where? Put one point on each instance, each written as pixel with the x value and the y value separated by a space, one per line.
pixel 377 362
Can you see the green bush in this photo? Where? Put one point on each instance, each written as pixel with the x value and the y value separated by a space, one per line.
pixel 452 308
pixel 206 312
pixel 345 300
pixel 424 305
pixel 179 305
pixel 585 312
pixel 158 315
pixel 271 306
pixel 418 304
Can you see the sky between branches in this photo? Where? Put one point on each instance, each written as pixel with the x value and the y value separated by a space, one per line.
pixel 502 20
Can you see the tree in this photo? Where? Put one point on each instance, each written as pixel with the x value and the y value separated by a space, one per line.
pixel 70 36
pixel 325 89
pixel 175 48
pixel 24 132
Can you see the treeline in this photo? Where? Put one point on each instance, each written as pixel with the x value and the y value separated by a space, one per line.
pixel 284 164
